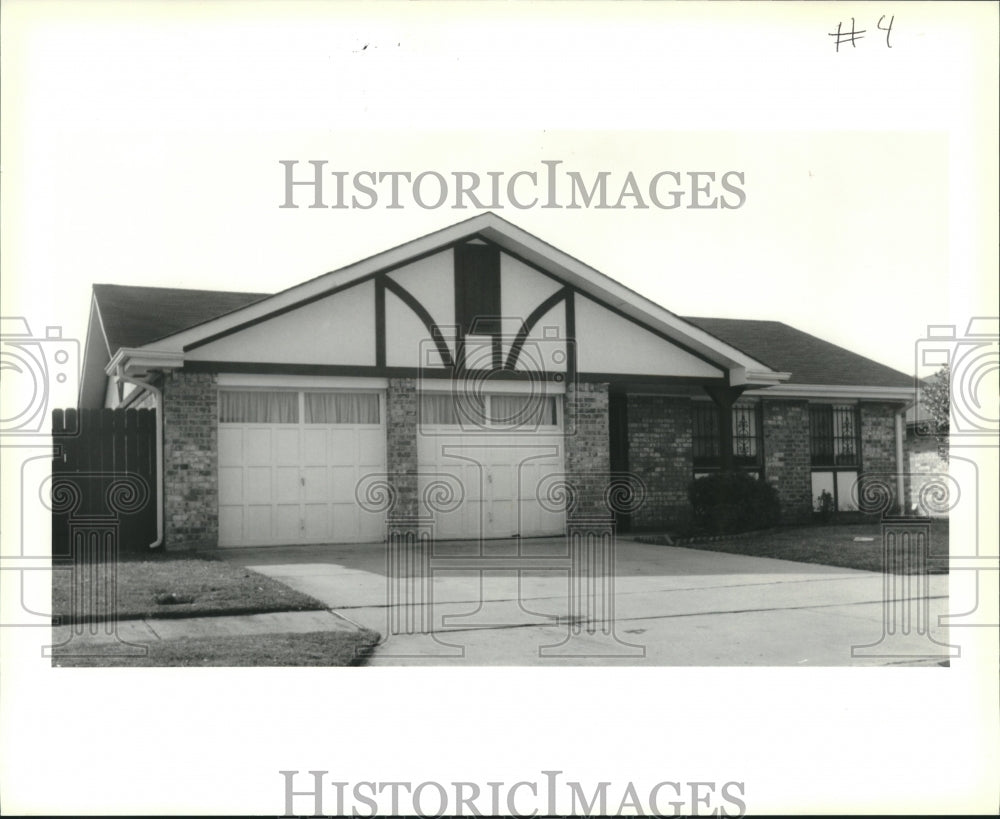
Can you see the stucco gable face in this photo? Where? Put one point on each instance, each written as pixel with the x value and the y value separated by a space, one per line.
pixel 337 329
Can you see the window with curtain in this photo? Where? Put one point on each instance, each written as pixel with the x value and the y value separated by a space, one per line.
pixel 341 408
pixel 522 410
pixel 449 409
pixel 258 407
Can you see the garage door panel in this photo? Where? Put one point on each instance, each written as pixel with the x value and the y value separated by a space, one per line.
pixel 314 442
pixel 258 523
pixel 257 446
pixel 503 521
pixel 371 525
pixel 344 520
pixel 343 480
pixel 317 484
pixel 288 523
pixel 371 447
pixel 473 482
pixel 295 482
pixel 288 484
pixel 230 525
pixel 500 474
pixel 502 480
pixel 258 485
pixel 286 447
pixel 230 447
pixel 343 446
pixel 317 521
pixel 230 485
pixel 527 480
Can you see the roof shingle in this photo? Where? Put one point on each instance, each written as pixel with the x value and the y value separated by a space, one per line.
pixel 133 316
pixel 809 359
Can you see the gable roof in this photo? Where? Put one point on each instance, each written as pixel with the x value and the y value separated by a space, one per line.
pixel 809 359
pixel 134 316
pixel 165 322
pixel 508 237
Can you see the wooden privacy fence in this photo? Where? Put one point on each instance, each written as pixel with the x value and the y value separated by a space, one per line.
pixel 103 492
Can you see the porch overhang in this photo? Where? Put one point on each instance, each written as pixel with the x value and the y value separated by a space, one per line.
pixel 138 363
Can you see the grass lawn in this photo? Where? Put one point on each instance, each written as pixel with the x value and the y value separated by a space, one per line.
pixel 318 648
pixel 175 584
pixel 831 545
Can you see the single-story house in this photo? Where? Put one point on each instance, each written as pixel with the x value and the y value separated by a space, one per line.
pixel 485 357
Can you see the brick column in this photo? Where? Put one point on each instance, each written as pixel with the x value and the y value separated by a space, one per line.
pixel 401 444
pixel 787 460
pixel 191 460
pixel 878 442
pixel 878 437
pixel 588 447
pixel 660 453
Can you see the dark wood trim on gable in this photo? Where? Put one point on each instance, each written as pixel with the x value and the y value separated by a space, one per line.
pixel 528 324
pixel 618 381
pixel 607 306
pixel 410 301
pixel 571 359
pixel 391 284
pixel 380 320
pixel 317 297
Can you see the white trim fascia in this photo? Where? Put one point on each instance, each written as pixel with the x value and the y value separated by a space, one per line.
pixel 741 375
pixel 594 283
pixel 477 387
pixel 140 361
pixel 508 237
pixel 328 382
pixel 902 394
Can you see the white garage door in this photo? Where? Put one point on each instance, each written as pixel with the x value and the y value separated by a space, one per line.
pixel 487 465
pixel 289 462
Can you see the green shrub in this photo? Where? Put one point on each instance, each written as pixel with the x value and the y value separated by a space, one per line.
pixel 729 502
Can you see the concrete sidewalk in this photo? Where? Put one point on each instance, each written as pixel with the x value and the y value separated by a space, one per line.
pixel 153 629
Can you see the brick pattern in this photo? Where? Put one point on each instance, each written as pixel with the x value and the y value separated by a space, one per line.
pixel 191 460
pixel 401 445
pixel 878 437
pixel 787 461
pixel 878 444
pixel 660 453
pixel 588 447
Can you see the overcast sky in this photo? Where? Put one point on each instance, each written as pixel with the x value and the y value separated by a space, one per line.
pixel 142 146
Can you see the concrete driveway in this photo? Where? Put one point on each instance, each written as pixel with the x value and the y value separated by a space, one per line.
pixel 669 606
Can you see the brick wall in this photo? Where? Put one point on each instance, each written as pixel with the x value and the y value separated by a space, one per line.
pixel 878 437
pixel 588 447
pixel 401 444
pixel 878 444
pixel 191 460
pixel 787 462
pixel 660 453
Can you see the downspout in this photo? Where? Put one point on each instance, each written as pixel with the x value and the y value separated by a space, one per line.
pixel 900 477
pixel 158 397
